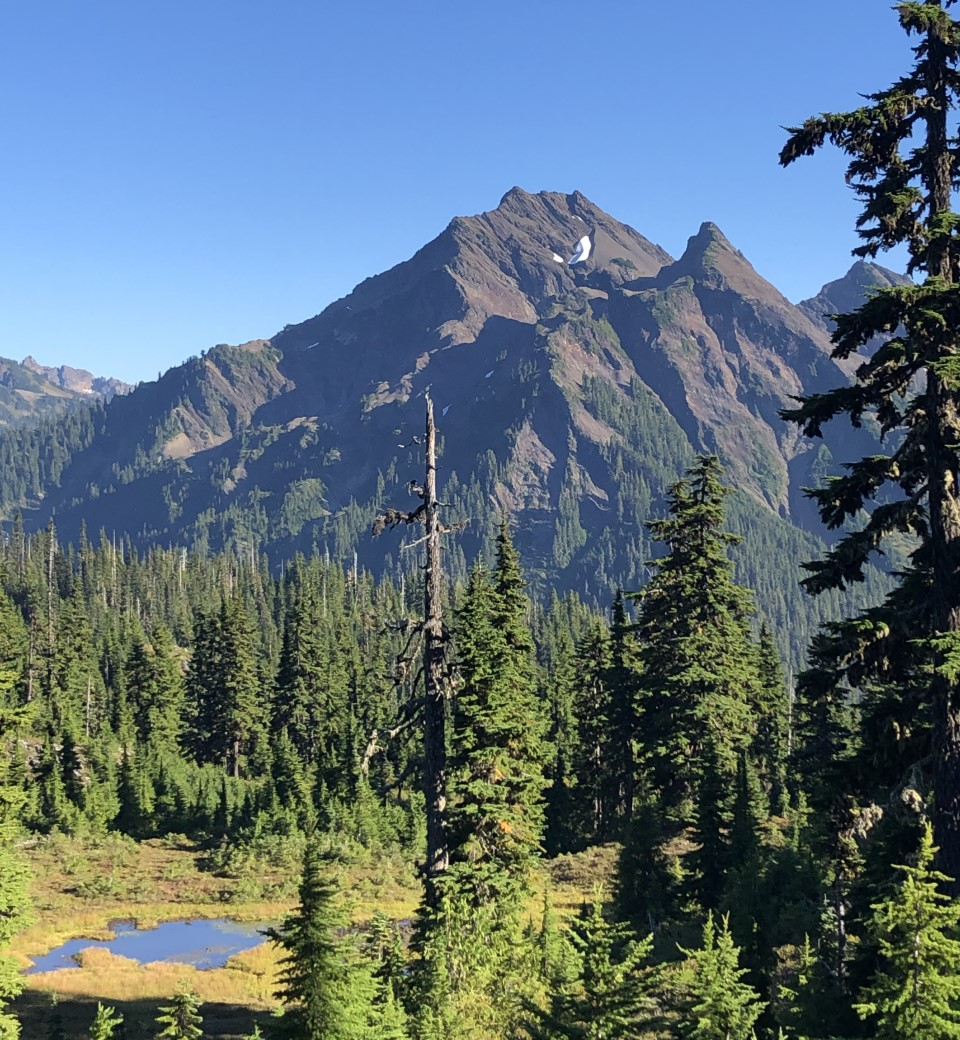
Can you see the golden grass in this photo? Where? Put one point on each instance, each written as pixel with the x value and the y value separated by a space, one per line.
pixel 156 881
pixel 50 932
pixel 80 887
pixel 105 976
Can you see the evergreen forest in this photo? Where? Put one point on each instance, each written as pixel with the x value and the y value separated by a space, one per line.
pixel 751 857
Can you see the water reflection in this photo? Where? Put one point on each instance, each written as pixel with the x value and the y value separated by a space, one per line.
pixel 202 943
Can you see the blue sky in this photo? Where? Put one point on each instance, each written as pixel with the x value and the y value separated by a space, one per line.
pixel 182 173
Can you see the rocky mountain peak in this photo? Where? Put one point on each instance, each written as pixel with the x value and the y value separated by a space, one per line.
pixel 712 260
pixel 847 293
pixel 78 380
pixel 576 367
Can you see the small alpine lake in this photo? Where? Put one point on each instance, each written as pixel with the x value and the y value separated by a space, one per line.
pixel 203 943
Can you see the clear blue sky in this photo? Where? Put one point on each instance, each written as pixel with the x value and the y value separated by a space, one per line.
pixel 178 173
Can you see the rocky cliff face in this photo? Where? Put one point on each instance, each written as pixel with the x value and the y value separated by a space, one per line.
pixel 570 394
pixel 29 392
pixel 77 380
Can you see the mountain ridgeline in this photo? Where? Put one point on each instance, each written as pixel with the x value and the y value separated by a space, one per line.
pixel 30 391
pixel 568 395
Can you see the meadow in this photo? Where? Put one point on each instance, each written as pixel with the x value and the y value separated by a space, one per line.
pixel 80 886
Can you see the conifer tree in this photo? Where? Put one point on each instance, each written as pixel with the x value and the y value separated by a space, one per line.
pixel 597 779
pixel 699 685
pixel 105 1023
pixel 916 993
pixel 646 886
pixel 563 830
pixel 623 682
pixel 721 1006
pixel 612 994
pixel 903 168
pixel 773 711
pixel 181 1020
pixel 710 862
pixel 241 717
pixel 326 996
pixel 301 680
pixel 744 896
pixel 498 751
pixel 14 915
pixel 55 809
pixel 155 688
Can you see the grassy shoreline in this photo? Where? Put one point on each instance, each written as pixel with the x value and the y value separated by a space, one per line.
pixel 81 886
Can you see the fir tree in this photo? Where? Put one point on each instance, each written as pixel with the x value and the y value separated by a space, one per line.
pixel 322 989
pixel 903 169
pixel 302 682
pixel 721 1006
pixel 773 720
pixel 623 682
pixel 597 779
pixel 563 829
pixel 743 892
pixel 646 886
pixel 498 749
pixel 14 915
pixel 612 993
pixel 240 720
pixel 709 863
pixel 916 993
pixel 181 1020
pixel 699 686
pixel 105 1023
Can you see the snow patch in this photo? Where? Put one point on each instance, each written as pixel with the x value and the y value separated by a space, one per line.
pixel 489 374
pixel 559 259
pixel 312 345
pixel 582 251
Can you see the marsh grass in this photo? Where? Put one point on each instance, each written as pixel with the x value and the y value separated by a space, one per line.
pixel 81 886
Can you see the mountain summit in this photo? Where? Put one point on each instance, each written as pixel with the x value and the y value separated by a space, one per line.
pixel 570 394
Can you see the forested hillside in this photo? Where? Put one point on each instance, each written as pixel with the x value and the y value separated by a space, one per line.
pixel 530 759
pixel 274 717
pixel 568 395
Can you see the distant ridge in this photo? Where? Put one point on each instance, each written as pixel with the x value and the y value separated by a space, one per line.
pixel 30 392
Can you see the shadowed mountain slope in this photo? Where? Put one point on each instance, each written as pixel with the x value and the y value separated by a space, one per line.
pixel 571 395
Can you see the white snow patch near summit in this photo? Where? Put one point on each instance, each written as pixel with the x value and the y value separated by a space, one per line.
pixel 582 251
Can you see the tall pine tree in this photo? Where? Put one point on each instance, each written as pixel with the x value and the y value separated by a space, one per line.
pixel 903 168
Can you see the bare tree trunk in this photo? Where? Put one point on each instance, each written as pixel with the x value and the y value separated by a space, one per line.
pixel 433 666
pixel 434 728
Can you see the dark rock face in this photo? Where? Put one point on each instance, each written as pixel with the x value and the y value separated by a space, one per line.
pixel 847 293
pixel 571 395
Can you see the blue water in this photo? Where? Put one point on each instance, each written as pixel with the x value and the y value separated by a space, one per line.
pixel 204 944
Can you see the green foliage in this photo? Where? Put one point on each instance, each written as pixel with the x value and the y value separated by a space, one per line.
pixel 181 1020
pixel 720 1005
pixel 699 681
pixel 915 995
pixel 14 916
pixel 498 753
pixel 611 993
pixel 326 994
pixel 902 167
pixel 105 1023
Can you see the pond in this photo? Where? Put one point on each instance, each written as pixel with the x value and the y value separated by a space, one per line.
pixel 202 943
